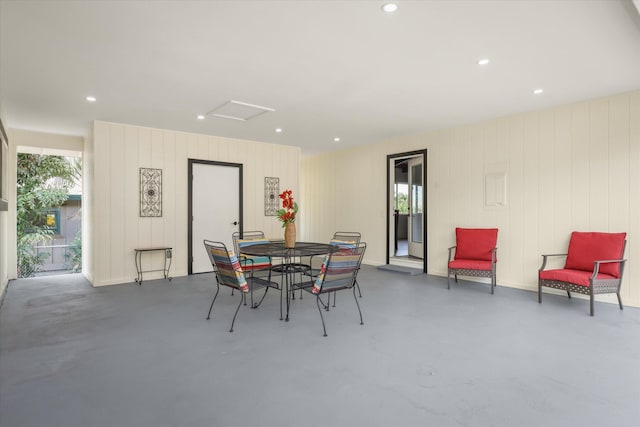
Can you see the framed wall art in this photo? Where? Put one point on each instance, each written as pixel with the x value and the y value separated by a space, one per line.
pixel 271 191
pixel 150 192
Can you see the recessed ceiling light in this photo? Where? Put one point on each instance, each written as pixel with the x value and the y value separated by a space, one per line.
pixel 200 117
pixel 336 139
pixel 483 61
pixel 538 91
pixel 91 98
pixel 278 130
pixel 389 7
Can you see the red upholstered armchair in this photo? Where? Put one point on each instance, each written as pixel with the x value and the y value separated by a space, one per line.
pixel 475 254
pixel 594 266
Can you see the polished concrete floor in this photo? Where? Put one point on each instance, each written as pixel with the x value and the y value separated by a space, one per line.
pixel 129 355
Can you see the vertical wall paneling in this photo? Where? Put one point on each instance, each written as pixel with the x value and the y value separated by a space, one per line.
pixel 532 248
pixel 575 167
pixel 580 179
pixel 101 222
pixel 131 194
pixel 515 203
pixel 598 165
pixel 117 228
pixel 117 201
pixel 632 272
pixel 169 190
pixel 562 175
pixel 180 245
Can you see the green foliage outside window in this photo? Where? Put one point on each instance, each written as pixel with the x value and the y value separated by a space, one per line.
pixel 38 192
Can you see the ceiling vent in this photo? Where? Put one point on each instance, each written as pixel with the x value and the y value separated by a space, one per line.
pixel 237 110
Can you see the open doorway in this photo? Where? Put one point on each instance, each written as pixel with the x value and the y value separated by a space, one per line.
pixel 48 212
pixel 406 213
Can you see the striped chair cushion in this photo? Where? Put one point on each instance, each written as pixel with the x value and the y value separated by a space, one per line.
pixel 346 246
pixel 229 269
pixel 336 271
pixel 249 262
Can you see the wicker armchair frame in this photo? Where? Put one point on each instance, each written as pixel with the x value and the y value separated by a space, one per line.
pixel 491 274
pixel 596 286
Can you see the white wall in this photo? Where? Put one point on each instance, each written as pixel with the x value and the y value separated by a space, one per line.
pixel 114 225
pixel 575 167
pixel 4 221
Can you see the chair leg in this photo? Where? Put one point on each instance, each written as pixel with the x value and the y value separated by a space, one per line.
pixel 321 317
pixel 493 283
pixel 569 294
pixel 261 299
pixel 619 301
pixel 591 304
pixel 359 312
pixel 334 298
pixel 449 279
pixel 214 300
pixel 539 294
pixel 359 293
pixel 243 298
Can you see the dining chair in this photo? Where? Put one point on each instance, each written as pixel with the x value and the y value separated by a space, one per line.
pixel 249 262
pixel 346 240
pixel 228 272
pixel 339 271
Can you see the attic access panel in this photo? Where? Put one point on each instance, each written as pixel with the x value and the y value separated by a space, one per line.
pixel 237 110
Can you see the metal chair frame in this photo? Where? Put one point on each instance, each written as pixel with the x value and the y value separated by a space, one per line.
pixel 253 282
pixel 350 284
pixel 596 286
pixel 491 274
pixel 349 236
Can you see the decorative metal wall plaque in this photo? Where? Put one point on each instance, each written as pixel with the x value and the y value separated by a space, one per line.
pixel 271 192
pixel 150 192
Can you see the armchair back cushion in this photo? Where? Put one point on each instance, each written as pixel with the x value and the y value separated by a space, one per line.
pixel 345 246
pixel 587 247
pixel 475 243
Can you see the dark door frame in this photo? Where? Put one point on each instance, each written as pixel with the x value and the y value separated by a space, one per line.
pixel 424 200
pixel 190 201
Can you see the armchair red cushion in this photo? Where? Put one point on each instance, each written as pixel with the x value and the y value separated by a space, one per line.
pixel 475 243
pixel 470 264
pixel 577 277
pixel 587 247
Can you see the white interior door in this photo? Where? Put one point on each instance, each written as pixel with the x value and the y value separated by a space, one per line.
pixel 215 203
pixel 416 204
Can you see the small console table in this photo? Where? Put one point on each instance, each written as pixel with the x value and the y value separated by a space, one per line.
pixel 167 261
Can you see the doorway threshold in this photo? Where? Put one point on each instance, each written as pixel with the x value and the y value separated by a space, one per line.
pixel 407 262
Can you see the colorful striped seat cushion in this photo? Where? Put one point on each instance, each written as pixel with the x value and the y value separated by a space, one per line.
pixel 249 262
pixel 337 271
pixel 229 269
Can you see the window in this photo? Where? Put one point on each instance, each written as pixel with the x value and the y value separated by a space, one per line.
pixel 52 220
pixel 401 198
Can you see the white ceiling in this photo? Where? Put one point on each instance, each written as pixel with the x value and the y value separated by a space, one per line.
pixel 328 68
